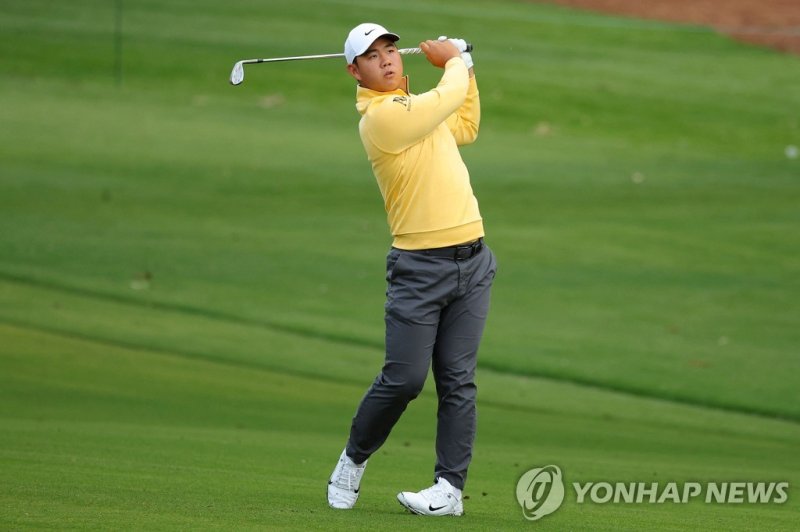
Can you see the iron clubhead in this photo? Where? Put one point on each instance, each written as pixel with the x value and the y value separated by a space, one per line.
pixel 237 74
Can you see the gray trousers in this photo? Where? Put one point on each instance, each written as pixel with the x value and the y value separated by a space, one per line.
pixel 436 308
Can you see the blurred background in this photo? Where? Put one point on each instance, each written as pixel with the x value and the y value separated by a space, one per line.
pixel 192 273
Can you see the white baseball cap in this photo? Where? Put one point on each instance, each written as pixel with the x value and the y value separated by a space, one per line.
pixel 362 36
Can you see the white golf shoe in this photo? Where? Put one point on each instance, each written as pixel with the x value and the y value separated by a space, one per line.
pixel 440 499
pixel 344 483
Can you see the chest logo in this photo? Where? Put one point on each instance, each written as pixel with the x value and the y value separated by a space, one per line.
pixel 403 100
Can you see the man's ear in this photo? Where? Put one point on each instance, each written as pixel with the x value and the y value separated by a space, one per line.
pixel 353 70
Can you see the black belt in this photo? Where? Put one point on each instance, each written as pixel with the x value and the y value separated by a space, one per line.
pixel 462 252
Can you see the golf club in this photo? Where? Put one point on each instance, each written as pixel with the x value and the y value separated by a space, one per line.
pixel 237 74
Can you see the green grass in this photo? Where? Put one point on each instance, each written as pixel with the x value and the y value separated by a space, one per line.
pixel 191 275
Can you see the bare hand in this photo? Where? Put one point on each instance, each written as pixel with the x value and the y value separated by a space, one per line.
pixel 439 52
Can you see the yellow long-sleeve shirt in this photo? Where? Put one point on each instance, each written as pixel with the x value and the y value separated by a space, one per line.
pixel 412 142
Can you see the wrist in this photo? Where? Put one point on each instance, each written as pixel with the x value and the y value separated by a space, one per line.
pixel 450 59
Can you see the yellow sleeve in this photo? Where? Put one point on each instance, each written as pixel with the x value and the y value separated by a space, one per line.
pixel 465 122
pixel 402 121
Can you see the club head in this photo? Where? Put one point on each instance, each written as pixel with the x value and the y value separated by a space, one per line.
pixel 237 74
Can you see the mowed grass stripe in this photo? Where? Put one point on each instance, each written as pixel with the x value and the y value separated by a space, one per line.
pixel 146 329
pixel 264 354
pixel 328 336
pixel 138 326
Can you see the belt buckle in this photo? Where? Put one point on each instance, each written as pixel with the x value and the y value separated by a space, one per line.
pixel 468 251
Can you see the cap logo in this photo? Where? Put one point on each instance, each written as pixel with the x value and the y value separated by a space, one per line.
pixel 360 38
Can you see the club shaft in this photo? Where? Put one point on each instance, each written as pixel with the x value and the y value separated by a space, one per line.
pixel 237 74
pixel 403 51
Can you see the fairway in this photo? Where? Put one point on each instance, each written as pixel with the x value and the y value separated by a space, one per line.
pixel 192 274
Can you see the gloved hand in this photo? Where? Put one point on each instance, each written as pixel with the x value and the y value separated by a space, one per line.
pixel 467 57
pixel 461 44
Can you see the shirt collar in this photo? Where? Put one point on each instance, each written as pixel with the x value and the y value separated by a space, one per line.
pixel 364 95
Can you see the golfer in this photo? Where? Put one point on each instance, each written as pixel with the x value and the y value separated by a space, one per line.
pixel 439 270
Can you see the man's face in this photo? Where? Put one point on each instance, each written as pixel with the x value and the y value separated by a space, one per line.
pixel 380 68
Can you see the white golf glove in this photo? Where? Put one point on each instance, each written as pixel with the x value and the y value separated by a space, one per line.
pixel 461 44
pixel 467 57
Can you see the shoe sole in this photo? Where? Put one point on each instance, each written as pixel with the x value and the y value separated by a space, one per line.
pixel 404 504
